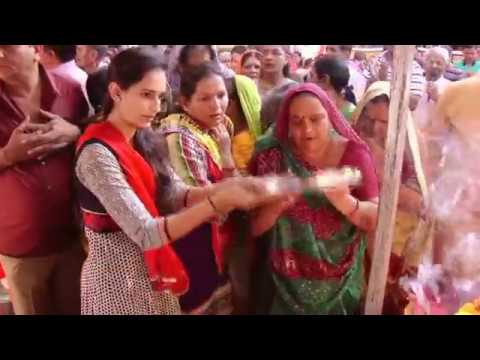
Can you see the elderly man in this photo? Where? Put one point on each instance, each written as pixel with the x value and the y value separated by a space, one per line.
pixel 39 246
pixel 436 61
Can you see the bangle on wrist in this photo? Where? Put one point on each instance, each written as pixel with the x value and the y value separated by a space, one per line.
pixel 212 204
pixel 210 189
pixel 215 208
pixel 165 229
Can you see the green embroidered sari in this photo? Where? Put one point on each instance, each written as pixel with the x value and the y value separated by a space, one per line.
pixel 311 260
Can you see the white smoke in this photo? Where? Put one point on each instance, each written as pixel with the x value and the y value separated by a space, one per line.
pixel 454 202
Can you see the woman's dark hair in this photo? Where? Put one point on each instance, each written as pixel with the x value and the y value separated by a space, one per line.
pixel 380 99
pixel 129 67
pixel 271 104
pixel 191 77
pixel 153 148
pixel 97 88
pixel 338 73
pixel 231 89
pixel 286 70
pixel 187 50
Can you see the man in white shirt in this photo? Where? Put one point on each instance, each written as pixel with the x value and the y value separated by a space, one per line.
pixel 357 81
pixel 435 65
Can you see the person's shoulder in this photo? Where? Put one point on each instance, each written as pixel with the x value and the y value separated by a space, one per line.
pixel 417 65
pixel 290 82
pixel 66 84
pixel 352 145
pixel 266 161
pixel 351 107
pixel 177 125
pixel 356 152
pixel 464 86
pixel 354 71
pixel 454 92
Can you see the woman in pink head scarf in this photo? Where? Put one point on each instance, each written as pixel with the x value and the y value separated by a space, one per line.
pixel 310 250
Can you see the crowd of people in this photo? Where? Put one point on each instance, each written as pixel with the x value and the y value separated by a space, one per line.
pixel 133 178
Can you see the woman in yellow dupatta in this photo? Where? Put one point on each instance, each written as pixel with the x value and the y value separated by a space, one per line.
pixel 244 108
pixel 370 119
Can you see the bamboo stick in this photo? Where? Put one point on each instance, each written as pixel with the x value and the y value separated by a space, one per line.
pixel 394 151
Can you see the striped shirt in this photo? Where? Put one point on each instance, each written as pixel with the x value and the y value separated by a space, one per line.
pixel 417 79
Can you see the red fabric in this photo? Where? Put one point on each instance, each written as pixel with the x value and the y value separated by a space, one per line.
pixel 2 273
pixel 294 265
pixel 162 264
pixel 221 234
pixel 324 222
pixel 36 216
pixel 99 223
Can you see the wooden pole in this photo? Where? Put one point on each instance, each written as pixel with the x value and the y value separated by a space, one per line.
pixel 394 150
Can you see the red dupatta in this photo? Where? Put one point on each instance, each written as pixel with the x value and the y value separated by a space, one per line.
pixel 165 269
pixel 221 234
